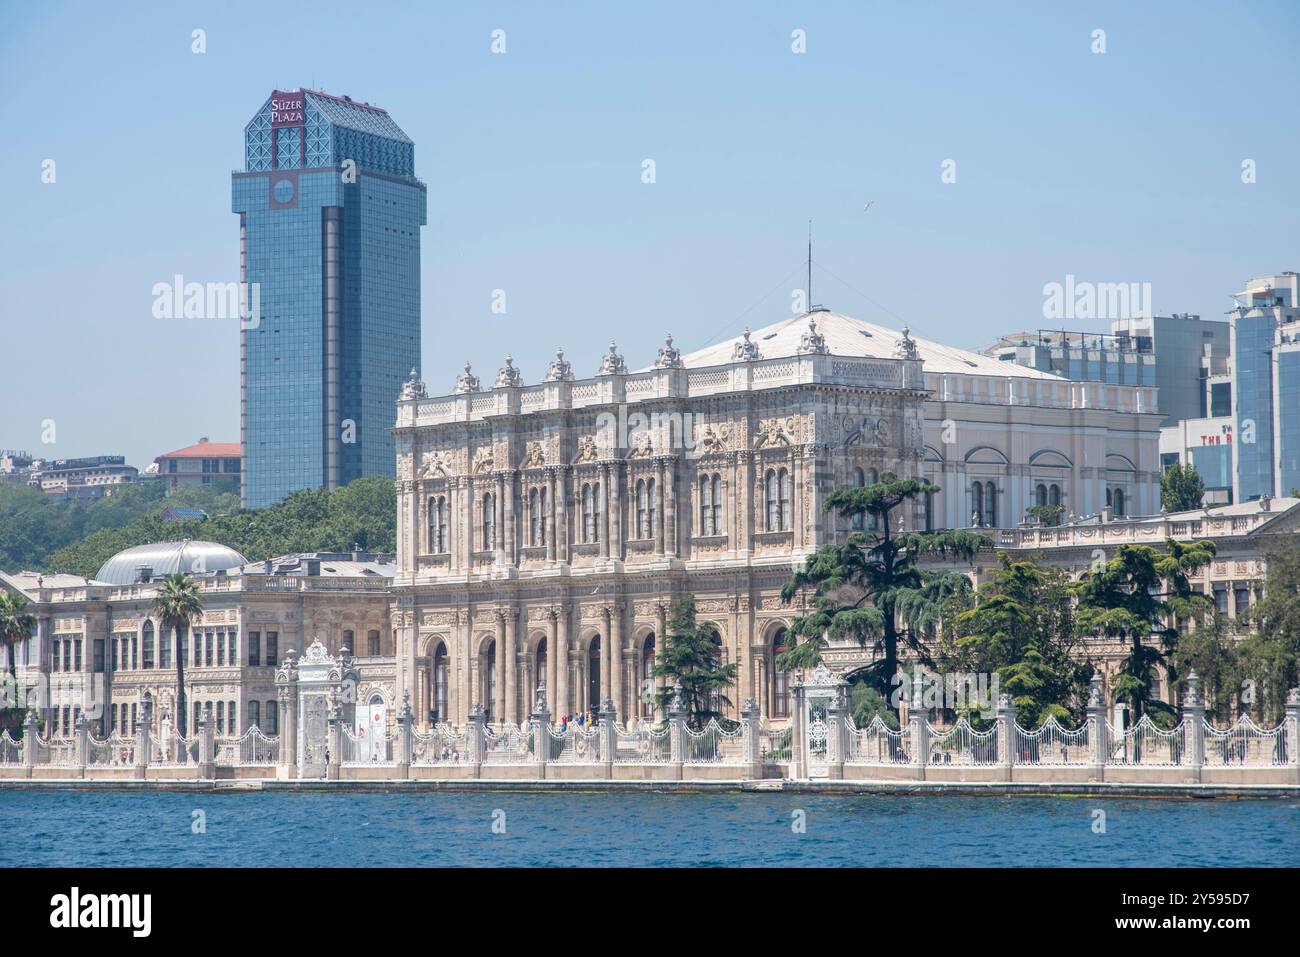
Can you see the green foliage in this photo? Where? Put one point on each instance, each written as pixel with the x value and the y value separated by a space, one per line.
pixel 1181 488
pixel 1047 514
pixel 16 625
pixel 1022 629
pixel 866 704
pixel 363 512
pixel 1133 597
pixel 690 658
pixel 33 525
pixel 869 588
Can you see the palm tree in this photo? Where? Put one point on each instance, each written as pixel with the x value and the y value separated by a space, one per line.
pixel 16 624
pixel 178 602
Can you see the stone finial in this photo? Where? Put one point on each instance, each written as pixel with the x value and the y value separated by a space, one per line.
pixel 918 690
pixel 676 703
pixel 539 704
pixel 1095 699
pixel 1293 696
pixel 745 350
pixel 670 357
pixel 466 382
pixel 906 346
pixel 560 370
pixel 1192 693
pixel 812 342
pixel 406 705
pixel 612 363
pixel 509 377
pixel 413 387
pixel 1006 702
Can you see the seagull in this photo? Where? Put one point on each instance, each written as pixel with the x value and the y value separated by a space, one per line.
pixel 868 206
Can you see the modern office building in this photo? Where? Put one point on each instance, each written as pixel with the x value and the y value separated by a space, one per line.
pixel 1161 351
pixel 1265 324
pixel 330 213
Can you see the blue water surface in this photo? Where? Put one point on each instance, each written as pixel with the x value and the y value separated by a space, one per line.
pixel 279 829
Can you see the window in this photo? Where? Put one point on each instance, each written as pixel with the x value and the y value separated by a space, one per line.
pixel 113 642
pixel 439 684
pixel 645 508
pixel 347 640
pixel 780 679
pixel 98 652
pixel 591 512
pixel 165 649
pixel 537 513
pixel 148 643
pixel 990 505
pixel 438 525
pixel 1117 503
pixel 1054 495
pixel 372 644
pixel 271 640
pixel 208 643
pixel 254 713
pixel 976 503
pixel 76 655
pixel 873 521
pixel 859 481
pixel 1040 495
pixel 489 521
pixel 184 649
pixel 711 504
pixel 254 649
pixel 1241 600
pixel 272 719
pixel 1221 600
pixel 647 666
pixel 777 493
pixel 232 715
pixel 221 717
pixel 135 654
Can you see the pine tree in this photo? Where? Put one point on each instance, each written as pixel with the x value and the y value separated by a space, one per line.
pixel 691 657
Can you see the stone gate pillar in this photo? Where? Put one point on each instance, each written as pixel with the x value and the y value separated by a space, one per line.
pixel 798 730
pixel 836 713
pixel 30 731
pixel 142 732
pixel 82 729
pixel 749 737
pixel 1006 724
pixel 1098 745
pixel 677 731
pixel 207 762
pixel 402 743
pixel 608 739
pixel 477 720
pixel 1293 733
pixel 540 724
pixel 334 738
pixel 286 689
pixel 918 727
pixel 1193 757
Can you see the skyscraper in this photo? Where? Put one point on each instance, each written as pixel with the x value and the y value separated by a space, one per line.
pixel 329 228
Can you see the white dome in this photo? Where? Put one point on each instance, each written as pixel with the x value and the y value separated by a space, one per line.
pixel 166 558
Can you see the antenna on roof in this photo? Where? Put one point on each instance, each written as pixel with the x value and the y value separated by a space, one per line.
pixel 809 289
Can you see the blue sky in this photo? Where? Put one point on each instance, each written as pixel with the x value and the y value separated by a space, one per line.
pixel 1115 167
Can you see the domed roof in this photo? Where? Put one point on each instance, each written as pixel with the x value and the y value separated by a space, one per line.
pixel 166 558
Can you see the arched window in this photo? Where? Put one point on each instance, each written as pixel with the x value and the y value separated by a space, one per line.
pixel 1109 497
pixel 859 481
pixel 780 679
pixel 539 670
pixel 647 676
pixel 439 684
pixel 1118 504
pixel 591 512
pixel 372 644
pixel 786 512
pixel 255 714
pixel 349 640
pixel 489 521
pixel 706 506
pixel 489 682
pixel 538 512
pixel 148 643
pixel 1054 495
pixel 642 510
pixel 976 503
pixel 221 717
pixel 990 505
pixel 773 503
pixel 438 525
pixel 593 673
pixel 1040 494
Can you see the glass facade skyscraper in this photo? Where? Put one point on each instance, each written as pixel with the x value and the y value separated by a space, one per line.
pixel 329 220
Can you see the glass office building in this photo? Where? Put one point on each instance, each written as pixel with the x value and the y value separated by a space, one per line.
pixel 329 220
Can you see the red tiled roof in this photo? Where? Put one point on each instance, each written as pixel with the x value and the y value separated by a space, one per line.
pixel 205 450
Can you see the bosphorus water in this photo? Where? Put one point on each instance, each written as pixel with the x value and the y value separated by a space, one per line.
pixel 270 829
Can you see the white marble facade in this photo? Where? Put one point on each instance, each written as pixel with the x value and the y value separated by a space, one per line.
pixel 544 530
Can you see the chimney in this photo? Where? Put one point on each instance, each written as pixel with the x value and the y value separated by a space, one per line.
pixel 1266 503
pixel 203 440
pixel 1105 515
pixel 143 573
pixel 267 567
pixel 357 554
pixel 313 566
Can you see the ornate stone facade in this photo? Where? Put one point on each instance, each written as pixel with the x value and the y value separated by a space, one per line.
pixel 608 498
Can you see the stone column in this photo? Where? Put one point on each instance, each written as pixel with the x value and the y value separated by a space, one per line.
pixel 605 523
pixel 1193 757
pixel 82 730
pixel 30 731
pixel 670 507
pixel 1006 723
pixel 659 507
pixel 750 725
pixel 616 510
pixel 614 690
pixel 1293 733
pixel 563 705
pixel 207 755
pixel 142 732
pixel 677 732
pixel 402 743
pixel 561 513
pixel 476 724
pixel 508 506
pixel 919 731
pixel 288 696
pixel 540 724
pixel 1098 746
pixel 499 704
pixel 607 716
pixel 552 486
pixel 835 736
pixel 334 740
pixel 511 713
pixel 661 626
pixel 499 522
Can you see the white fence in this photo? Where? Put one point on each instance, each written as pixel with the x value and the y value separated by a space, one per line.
pixel 442 745
pixel 252 747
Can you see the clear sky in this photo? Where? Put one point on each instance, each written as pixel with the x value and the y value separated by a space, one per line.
pixel 1123 166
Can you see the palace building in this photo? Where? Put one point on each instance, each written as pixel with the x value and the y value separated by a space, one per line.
pixel 545 529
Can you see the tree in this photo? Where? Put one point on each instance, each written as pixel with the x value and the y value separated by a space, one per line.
pixel 1270 655
pixel 1022 629
pixel 1132 597
pixel 690 658
pixel 178 602
pixel 1046 514
pixel 1214 653
pixel 16 624
pixel 869 585
pixel 1181 488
